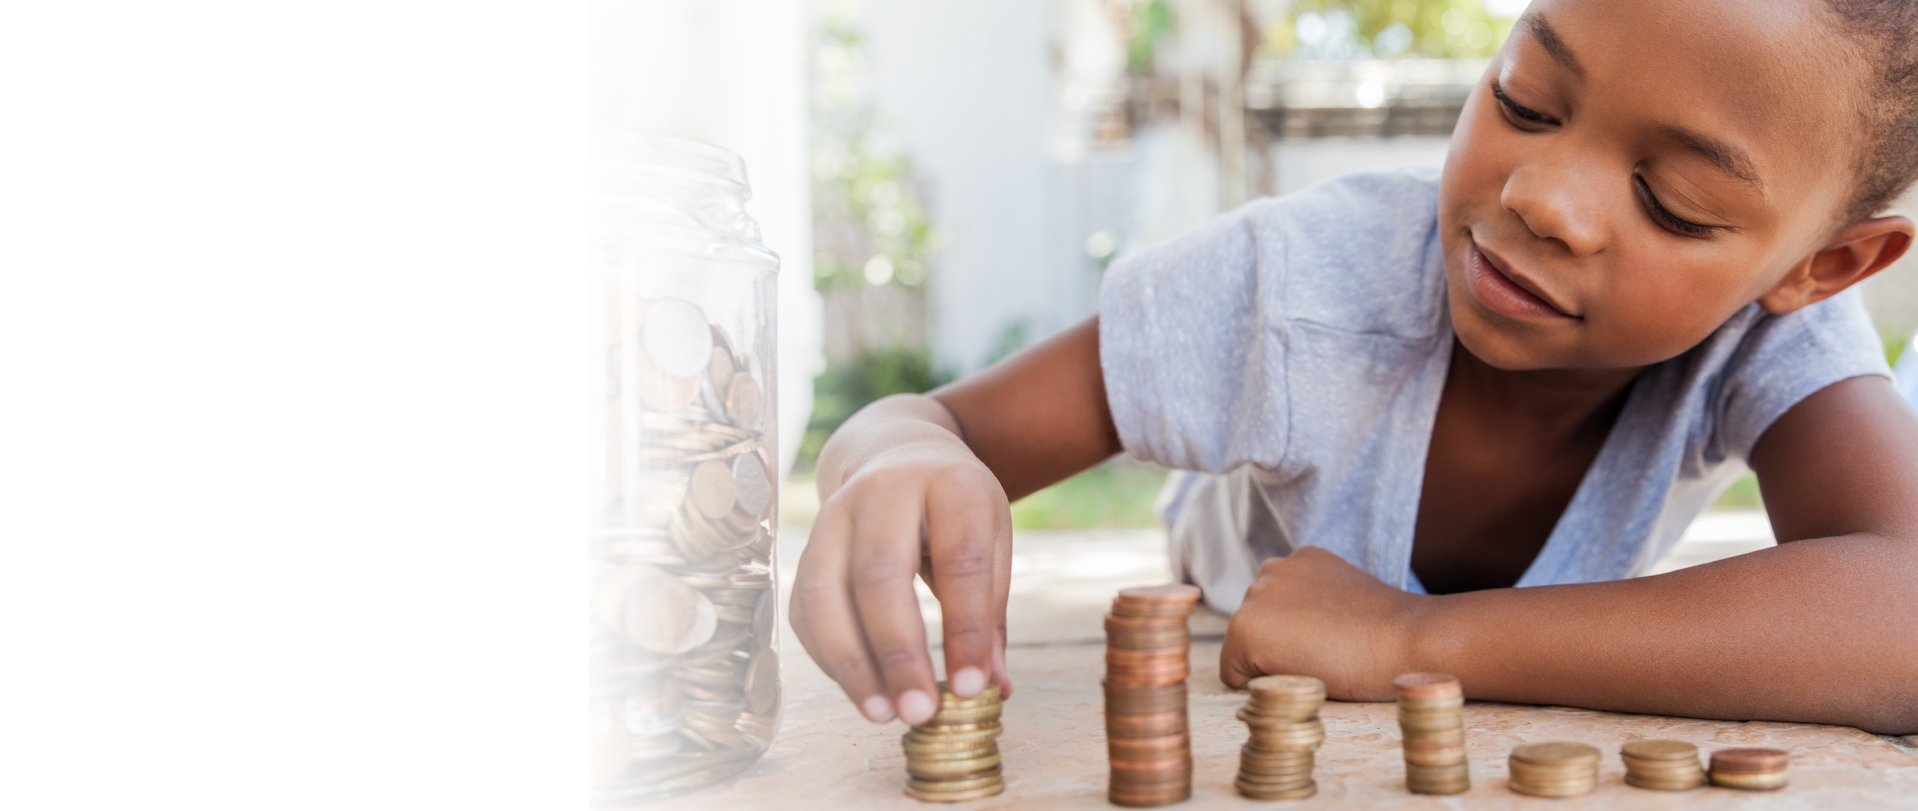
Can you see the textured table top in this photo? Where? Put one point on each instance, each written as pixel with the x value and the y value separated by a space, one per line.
pixel 827 757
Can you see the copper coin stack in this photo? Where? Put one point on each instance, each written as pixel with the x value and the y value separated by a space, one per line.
pixel 1283 714
pixel 1751 769
pixel 1147 647
pixel 1432 718
pixel 1662 765
pixel 955 755
pixel 1559 769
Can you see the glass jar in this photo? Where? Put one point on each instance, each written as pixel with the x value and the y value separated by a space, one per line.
pixel 684 602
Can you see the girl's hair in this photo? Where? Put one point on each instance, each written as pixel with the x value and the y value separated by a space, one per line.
pixel 1887 33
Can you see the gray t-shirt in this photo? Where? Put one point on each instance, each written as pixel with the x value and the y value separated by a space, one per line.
pixel 1292 353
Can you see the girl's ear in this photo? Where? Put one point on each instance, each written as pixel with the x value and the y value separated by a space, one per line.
pixel 1850 257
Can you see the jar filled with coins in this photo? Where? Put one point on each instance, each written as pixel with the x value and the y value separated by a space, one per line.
pixel 684 603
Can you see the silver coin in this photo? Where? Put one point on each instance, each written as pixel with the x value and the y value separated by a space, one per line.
pixel 752 485
pixel 676 337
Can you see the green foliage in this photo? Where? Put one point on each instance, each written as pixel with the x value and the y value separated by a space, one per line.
pixel 1011 339
pixel 1115 494
pixel 1894 345
pixel 1357 29
pixel 1152 24
pixel 846 388
pixel 866 213
pixel 1742 493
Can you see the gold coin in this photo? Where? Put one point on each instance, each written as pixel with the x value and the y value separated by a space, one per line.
pixel 954 796
pixel 1257 792
pixel 952 716
pixel 1285 687
pixel 954 785
pixel 712 490
pixel 989 695
pixel 1665 785
pixel 1659 750
pixel 1750 782
pixel 941 769
pixel 1553 791
pixel 919 752
pixel 743 400
pixel 1556 753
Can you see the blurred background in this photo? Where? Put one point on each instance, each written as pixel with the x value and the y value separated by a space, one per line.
pixel 947 182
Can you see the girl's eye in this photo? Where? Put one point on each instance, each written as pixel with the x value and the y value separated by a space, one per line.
pixel 1535 120
pixel 1665 217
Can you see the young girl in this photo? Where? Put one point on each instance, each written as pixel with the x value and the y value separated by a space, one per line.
pixel 1441 421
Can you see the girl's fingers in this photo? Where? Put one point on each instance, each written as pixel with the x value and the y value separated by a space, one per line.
pixel 827 621
pixel 884 560
pixel 963 533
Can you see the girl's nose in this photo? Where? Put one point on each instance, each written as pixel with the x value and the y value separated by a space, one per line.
pixel 1557 202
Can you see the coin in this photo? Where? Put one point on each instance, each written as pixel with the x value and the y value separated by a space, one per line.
pixel 1556 753
pixel 743 400
pixel 992 777
pixel 925 768
pixel 1750 760
pixel 720 365
pixel 1666 785
pixel 1427 685
pixel 1659 750
pixel 712 489
pixel 1257 792
pixel 1751 782
pixel 1552 791
pixel 676 337
pixel 955 796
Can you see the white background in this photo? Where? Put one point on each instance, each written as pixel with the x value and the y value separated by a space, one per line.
pixel 291 404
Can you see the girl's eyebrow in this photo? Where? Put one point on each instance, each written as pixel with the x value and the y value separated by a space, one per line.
pixel 1548 38
pixel 1721 155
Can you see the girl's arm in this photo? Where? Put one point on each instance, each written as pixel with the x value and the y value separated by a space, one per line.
pixel 1823 628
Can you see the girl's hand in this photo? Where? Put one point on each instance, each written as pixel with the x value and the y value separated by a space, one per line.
pixel 1313 614
pixel 928 508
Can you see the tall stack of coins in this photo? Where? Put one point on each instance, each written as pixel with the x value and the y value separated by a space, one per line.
pixel 1559 769
pixel 1432 718
pixel 1751 769
pixel 1283 714
pixel 955 755
pixel 1148 645
pixel 1662 765
pixel 685 675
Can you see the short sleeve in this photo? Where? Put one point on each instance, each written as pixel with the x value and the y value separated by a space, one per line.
pixel 1783 359
pixel 1194 372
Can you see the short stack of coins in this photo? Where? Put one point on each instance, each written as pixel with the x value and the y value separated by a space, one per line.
pixel 1432 718
pixel 1148 646
pixel 954 756
pixel 1751 769
pixel 1559 769
pixel 1662 765
pixel 1283 717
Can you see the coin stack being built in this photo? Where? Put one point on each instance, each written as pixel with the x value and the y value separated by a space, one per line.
pixel 1751 769
pixel 1662 765
pixel 955 755
pixel 1432 718
pixel 1283 715
pixel 685 677
pixel 1559 769
pixel 1148 645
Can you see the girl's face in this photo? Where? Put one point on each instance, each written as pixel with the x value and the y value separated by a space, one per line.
pixel 1630 173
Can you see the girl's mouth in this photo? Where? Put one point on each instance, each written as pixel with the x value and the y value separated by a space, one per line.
pixel 1502 292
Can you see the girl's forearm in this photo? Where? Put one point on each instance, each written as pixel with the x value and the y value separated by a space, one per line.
pixel 1822 630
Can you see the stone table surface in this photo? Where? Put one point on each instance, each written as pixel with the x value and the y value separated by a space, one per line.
pixel 828 757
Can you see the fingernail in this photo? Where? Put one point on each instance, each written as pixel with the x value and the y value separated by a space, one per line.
pixel 968 682
pixel 915 707
pixel 876 709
